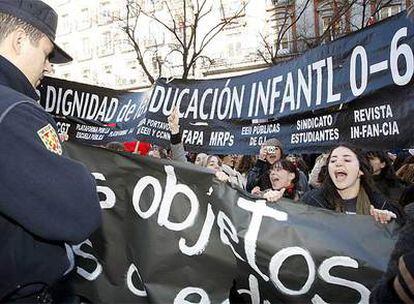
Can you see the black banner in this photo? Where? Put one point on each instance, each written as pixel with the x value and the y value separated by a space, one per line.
pixel 172 233
pixel 356 89
pixel 90 114
pixel 305 98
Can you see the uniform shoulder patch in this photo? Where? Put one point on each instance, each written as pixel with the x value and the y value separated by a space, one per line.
pixel 50 139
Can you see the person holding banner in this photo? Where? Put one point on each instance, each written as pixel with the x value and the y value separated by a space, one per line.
pixel 48 202
pixel 348 188
pixel 284 179
pixel 270 153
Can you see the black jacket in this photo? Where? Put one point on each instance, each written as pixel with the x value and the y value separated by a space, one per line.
pixel 257 176
pixel 391 189
pixel 383 291
pixel 316 198
pixel 46 199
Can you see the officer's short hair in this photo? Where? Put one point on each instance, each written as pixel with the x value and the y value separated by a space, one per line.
pixel 9 23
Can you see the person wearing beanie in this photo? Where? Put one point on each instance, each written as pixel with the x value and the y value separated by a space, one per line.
pixel 271 151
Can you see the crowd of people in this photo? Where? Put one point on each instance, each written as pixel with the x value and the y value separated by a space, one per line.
pixel 49 202
pixel 345 179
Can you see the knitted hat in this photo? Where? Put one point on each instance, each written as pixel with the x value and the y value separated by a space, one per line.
pixel 273 142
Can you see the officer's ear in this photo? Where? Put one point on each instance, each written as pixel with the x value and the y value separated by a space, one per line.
pixel 19 39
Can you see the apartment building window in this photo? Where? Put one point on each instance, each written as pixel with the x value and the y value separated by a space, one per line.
pixel 389 11
pixel 232 7
pixel 107 69
pixel 86 73
pixel 132 65
pixel 329 28
pixel 86 49
pixel 280 30
pixel 123 44
pixel 284 41
pixel 85 19
pixel 65 24
pixel 131 74
pixel 106 46
pixel 104 13
pixel 234 49
pixel 152 4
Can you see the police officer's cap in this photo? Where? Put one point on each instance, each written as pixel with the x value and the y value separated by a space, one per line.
pixel 41 16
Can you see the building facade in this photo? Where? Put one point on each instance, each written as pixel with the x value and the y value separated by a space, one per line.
pixel 264 32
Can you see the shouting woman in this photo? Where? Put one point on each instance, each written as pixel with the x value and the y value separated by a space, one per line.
pixel 348 188
pixel 284 178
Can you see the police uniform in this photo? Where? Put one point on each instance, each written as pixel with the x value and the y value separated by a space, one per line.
pixel 47 200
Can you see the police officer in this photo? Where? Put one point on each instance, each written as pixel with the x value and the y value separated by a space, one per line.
pixel 47 201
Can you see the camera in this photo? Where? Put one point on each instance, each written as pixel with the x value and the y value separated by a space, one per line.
pixel 271 149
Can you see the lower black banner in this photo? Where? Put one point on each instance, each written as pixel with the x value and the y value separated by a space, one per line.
pixel 172 233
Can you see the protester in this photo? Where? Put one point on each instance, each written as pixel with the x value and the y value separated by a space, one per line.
pixel 270 152
pixel 47 200
pixel 137 147
pixel 115 146
pixel 214 162
pixel 201 159
pixel 314 176
pixel 397 284
pixel 407 197
pixel 284 178
pixel 384 177
pixel 177 147
pixel 348 187
pixel 298 161
pixel 228 162
pixel 244 163
pixel 401 158
pixel 158 152
pixel 406 172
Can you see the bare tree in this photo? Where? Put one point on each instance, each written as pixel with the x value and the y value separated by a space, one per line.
pixel 270 54
pixel 182 22
pixel 378 6
pixel 130 26
pixel 334 29
pixel 339 24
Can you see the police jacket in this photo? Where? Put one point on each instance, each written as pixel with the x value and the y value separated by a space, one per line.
pixel 46 199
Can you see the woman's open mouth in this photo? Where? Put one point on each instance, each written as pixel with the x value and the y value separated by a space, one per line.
pixel 340 175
